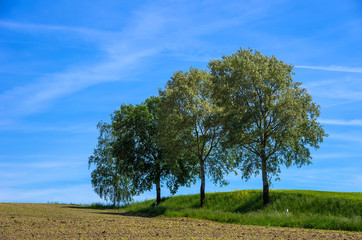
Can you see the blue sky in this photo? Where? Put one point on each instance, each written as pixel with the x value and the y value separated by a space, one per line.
pixel 66 65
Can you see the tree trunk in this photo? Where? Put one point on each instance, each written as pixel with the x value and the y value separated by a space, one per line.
pixel 202 188
pixel 266 199
pixel 114 195
pixel 158 191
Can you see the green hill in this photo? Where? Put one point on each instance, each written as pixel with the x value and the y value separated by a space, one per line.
pixel 288 208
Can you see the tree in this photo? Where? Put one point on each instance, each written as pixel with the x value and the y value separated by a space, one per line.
pixel 268 117
pixel 189 132
pixel 108 181
pixel 136 131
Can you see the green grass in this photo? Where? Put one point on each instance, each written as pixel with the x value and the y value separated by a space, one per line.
pixel 306 209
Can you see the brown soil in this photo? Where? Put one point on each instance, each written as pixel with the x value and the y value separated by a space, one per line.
pixel 53 221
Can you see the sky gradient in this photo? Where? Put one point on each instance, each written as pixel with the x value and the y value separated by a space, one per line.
pixel 66 65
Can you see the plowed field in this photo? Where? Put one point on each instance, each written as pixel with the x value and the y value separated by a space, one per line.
pixel 55 221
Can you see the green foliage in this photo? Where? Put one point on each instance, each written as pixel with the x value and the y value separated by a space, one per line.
pixel 136 130
pixel 270 119
pixel 307 209
pixel 108 181
pixel 189 131
pixel 128 159
pixel 247 113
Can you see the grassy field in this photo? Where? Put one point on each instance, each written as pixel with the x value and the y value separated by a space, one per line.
pixel 57 221
pixel 306 209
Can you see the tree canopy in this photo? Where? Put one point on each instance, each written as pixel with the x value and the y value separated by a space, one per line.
pixel 136 130
pixel 128 158
pixel 109 180
pixel 190 132
pixel 268 117
pixel 246 113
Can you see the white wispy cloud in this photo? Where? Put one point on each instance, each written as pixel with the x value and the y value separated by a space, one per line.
pixel 121 53
pixel 336 155
pixel 27 171
pixel 38 96
pixel 331 179
pixel 74 127
pixel 341 122
pixel 78 194
pixel 332 68
pixel 353 137
pixel 31 27
pixel 151 31
pixel 306 178
pixel 120 56
pixel 36 164
pixel 338 91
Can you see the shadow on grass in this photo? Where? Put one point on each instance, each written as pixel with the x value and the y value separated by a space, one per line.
pixel 78 207
pixel 143 212
pixel 149 210
pixel 253 203
pixel 152 211
pixel 126 214
pixel 100 207
pixel 153 203
pixel 146 212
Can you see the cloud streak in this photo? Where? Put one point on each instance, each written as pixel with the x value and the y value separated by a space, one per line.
pixel 341 122
pixel 151 31
pixel 330 179
pixel 38 96
pixel 120 55
pixel 30 27
pixel 332 68
pixel 75 127
pixel 354 137
pixel 28 172
pixel 81 193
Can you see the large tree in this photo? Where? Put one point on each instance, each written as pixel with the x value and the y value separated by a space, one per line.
pixel 136 131
pixel 266 115
pixel 108 179
pixel 189 132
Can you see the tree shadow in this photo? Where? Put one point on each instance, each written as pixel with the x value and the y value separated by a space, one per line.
pixel 145 213
pixel 253 203
pixel 105 207
pixel 153 203
pixel 127 214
